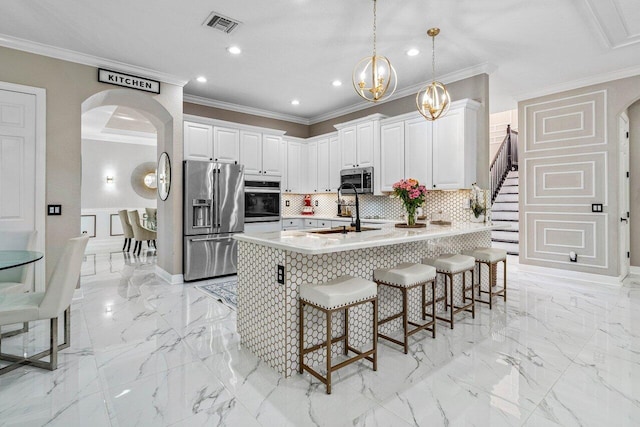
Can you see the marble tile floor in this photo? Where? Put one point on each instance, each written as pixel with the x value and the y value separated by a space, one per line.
pixel 558 353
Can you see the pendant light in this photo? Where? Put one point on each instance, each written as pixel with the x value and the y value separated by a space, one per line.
pixel 433 100
pixel 375 71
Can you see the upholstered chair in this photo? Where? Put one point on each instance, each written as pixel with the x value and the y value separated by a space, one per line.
pixel 140 233
pixel 126 229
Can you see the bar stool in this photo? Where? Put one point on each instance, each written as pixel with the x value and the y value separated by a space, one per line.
pixel 490 257
pixel 449 265
pixel 406 276
pixel 338 294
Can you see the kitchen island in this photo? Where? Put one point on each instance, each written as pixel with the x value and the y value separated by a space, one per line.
pixel 268 304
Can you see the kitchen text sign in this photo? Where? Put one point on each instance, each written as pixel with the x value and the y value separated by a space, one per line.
pixel 127 80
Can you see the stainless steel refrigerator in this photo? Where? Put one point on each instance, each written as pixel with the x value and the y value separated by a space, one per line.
pixel 213 213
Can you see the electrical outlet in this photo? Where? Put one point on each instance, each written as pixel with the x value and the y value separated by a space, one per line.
pixel 281 274
pixel 573 257
pixel 316 203
pixel 467 204
pixel 287 203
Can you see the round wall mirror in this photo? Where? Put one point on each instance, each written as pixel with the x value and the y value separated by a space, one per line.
pixel 164 176
pixel 143 180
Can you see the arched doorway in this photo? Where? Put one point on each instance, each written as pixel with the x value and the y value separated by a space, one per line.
pixel 629 140
pixel 162 121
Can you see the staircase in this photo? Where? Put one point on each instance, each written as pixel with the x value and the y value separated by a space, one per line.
pixel 504 211
pixel 504 193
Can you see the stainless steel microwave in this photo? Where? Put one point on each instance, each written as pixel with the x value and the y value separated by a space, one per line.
pixel 361 178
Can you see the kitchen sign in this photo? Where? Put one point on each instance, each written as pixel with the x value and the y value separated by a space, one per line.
pixel 127 80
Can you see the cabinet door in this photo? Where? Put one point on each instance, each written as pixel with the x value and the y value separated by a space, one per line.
pixel 284 182
pixel 226 144
pixel 391 155
pixel 323 166
pixel 364 145
pixel 418 147
pixel 293 166
pixel 335 164
pixel 312 166
pixel 271 155
pixel 198 141
pixel 448 151
pixel 348 141
pixel 251 152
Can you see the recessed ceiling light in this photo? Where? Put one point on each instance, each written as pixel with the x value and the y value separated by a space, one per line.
pixel 202 79
pixel 413 52
pixel 295 102
pixel 336 83
pixel 234 50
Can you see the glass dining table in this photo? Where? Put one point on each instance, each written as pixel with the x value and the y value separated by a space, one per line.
pixel 11 259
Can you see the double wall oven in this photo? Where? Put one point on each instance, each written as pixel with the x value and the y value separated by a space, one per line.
pixel 261 201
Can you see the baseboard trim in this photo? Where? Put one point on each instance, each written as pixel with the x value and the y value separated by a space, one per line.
pixel 573 275
pixel 634 270
pixel 172 279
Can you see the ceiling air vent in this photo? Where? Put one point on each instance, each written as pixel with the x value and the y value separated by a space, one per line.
pixel 221 23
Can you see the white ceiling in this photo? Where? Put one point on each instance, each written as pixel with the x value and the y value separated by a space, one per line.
pixel 117 124
pixel 295 48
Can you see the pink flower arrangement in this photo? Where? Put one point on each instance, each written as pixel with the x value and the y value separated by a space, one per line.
pixel 412 195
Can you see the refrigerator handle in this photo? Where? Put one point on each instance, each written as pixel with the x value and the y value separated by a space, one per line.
pixel 216 224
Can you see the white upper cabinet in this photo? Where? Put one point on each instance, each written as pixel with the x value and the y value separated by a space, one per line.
pixel 418 146
pixel 454 146
pixel 284 180
pixel 311 172
pixel 347 138
pixel 335 162
pixel 226 144
pixel 198 141
pixel 323 165
pixel 365 144
pixel 294 157
pixel 271 155
pixel 251 152
pixel 392 154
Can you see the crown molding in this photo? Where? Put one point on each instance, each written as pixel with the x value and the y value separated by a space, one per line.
pixel 85 59
pixel 484 68
pixel 580 83
pixel 244 109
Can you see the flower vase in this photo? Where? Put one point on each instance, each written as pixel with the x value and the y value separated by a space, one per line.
pixel 411 217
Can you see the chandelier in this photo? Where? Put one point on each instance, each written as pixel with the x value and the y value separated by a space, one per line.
pixel 375 71
pixel 433 100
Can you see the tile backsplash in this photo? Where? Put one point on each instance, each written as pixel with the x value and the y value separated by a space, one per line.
pixel 453 202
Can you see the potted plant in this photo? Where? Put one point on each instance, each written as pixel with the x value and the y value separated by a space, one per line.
pixel 477 203
pixel 412 195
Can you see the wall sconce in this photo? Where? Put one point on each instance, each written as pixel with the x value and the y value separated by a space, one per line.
pixel 109 179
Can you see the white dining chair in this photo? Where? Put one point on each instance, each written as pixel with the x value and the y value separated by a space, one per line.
pixel 17 279
pixel 48 305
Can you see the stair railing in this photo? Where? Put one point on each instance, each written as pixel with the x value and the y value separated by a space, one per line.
pixel 506 159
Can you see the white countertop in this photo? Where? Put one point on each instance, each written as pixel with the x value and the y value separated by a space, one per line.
pixel 343 218
pixel 307 242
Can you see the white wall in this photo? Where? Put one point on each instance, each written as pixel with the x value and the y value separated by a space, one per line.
pixel 101 158
pixel 498 129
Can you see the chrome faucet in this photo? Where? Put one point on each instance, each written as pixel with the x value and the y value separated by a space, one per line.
pixel 355 190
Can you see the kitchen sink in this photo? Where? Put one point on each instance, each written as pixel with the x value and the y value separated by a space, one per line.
pixel 340 230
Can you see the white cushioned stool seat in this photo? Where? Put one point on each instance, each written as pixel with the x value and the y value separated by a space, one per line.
pixel 490 255
pixel 451 263
pixel 405 274
pixel 338 292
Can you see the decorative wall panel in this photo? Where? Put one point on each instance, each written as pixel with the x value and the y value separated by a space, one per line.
pixel 575 121
pixel 570 180
pixel 551 236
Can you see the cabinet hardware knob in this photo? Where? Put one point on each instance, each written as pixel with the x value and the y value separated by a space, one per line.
pixel 216 160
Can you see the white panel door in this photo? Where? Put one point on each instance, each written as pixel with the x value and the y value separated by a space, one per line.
pixel 364 145
pixel 226 145
pixel 198 141
pixel 335 163
pixel 271 155
pixel 448 151
pixel 348 142
pixel 391 154
pixel 418 145
pixel 17 161
pixel 323 166
pixel 624 231
pixel 251 152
